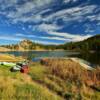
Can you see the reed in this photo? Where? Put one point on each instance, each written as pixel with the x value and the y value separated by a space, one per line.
pixel 67 69
pixel 78 79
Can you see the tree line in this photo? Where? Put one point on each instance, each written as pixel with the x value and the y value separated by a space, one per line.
pixel 92 43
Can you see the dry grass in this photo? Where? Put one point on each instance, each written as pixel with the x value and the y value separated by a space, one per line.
pixel 10 58
pixel 55 79
pixel 68 69
pixel 79 80
pixel 17 86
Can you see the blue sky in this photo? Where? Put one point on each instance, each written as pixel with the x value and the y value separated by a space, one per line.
pixel 48 21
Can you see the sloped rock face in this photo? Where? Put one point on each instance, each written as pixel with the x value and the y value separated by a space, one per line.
pixel 25 44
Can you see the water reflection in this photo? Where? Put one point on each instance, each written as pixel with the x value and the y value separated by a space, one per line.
pixel 93 58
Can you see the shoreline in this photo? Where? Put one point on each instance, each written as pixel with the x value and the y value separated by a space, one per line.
pixel 10 58
pixel 47 50
pixel 36 50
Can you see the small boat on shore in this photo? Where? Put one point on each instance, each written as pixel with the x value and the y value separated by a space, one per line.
pixel 20 66
pixel 7 63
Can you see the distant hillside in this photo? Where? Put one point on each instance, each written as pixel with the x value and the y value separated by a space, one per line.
pixel 4 49
pixel 92 43
pixel 24 45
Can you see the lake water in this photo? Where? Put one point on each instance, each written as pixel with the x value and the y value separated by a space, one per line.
pixel 93 58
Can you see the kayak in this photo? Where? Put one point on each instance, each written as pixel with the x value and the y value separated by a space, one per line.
pixel 7 64
pixel 16 68
pixel 20 66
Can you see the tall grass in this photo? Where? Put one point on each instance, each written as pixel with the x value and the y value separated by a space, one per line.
pixel 81 83
pixel 17 86
pixel 52 79
pixel 72 71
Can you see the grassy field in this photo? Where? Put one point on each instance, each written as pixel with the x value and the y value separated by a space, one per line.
pixel 50 80
pixel 18 86
pixel 10 58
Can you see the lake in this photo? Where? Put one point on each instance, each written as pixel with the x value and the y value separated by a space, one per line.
pixel 92 58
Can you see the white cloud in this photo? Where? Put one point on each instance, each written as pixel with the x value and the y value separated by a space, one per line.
pixel 46 42
pixel 48 27
pixel 44 11
pixel 55 38
pixel 74 13
pixel 7 3
pixel 38 7
pixel 17 39
pixel 67 1
pixel 51 29
pixel 89 28
pixel 72 37
pixel 42 37
pixel 35 9
pixel 29 7
pixel 10 38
